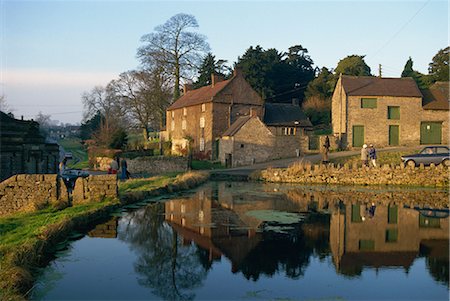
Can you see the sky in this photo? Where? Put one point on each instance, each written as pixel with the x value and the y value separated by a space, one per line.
pixel 53 51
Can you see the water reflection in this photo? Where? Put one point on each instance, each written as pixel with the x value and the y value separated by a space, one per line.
pixel 178 241
pixel 187 247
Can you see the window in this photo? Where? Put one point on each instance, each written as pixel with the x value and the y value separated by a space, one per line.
pixel 366 245
pixel 356 213
pixel 184 111
pixel 394 113
pixel 289 131
pixel 203 107
pixel 183 124
pixel 368 103
pixel 172 125
pixel 392 214
pixel 202 144
pixel 202 122
pixel 391 235
pixel 173 114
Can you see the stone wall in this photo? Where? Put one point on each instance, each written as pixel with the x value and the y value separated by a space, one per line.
pixel 432 176
pixel 157 165
pixel 26 193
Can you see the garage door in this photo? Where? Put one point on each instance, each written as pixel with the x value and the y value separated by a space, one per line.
pixel 430 132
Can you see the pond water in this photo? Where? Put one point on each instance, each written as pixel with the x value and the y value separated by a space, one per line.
pixel 250 241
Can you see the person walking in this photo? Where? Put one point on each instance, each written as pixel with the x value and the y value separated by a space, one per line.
pixel 113 166
pixel 364 155
pixel 373 155
pixel 62 166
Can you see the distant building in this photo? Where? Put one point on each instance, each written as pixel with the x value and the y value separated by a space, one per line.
pixel 23 149
pixel 200 117
pixel 280 134
pixel 388 112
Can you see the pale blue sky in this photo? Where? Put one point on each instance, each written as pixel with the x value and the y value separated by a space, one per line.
pixel 52 51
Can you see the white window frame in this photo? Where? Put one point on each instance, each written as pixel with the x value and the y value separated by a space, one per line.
pixel 173 114
pixel 184 111
pixel 183 124
pixel 203 107
pixel 202 122
pixel 202 144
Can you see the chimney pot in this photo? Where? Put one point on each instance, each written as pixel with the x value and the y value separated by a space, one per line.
pixel 187 87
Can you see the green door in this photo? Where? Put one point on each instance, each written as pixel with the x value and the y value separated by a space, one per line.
pixel 430 133
pixel 358 135
pixel 393 135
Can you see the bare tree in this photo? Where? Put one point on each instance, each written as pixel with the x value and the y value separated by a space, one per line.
pixel 102 100
pixel 4 106
pixel 145 96
pixel 175 48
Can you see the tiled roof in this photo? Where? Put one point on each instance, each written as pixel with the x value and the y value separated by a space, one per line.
pixel 283 114
pixel 376 86
pixel 436 97
pixel 236 126
pixel 199 96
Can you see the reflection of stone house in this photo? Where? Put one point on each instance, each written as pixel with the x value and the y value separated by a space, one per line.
pixel 202 115
pixel 393 237
pixel 24 150
pixel 389 111
pixel 280 134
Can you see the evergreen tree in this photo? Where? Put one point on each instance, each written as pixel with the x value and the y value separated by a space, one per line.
pixel 211 66
pixel 439 67
pixel 353 65
pixel 422 80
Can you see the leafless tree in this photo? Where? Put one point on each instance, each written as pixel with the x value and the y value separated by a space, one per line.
pixel 145 97
pixel 175 48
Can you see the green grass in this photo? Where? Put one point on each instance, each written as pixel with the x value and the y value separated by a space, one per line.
pixel 22 228
pixel 74 146
pixel 145 184
pixel 206 165
pixel 382 158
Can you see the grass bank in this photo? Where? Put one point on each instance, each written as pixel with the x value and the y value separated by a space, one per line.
pixel 28 240
pixel 80 156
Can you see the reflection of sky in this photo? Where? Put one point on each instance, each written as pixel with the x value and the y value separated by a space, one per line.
pixel 98 268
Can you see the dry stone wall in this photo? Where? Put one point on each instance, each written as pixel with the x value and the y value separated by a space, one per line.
pixel 432 176
pixel 157 165
pixel 26 193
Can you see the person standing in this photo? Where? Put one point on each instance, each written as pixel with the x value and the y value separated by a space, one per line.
pixel 373 155
pixel 326 149
pixel 364 155
pixel 123 169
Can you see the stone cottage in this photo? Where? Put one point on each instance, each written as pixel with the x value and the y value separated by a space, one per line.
pixel 280 134
pixel 200 117
pixel 23 149
pixel 388 112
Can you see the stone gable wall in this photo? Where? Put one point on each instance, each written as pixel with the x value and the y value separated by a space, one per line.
pixel 26 193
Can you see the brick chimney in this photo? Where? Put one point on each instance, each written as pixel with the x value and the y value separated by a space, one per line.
pixel 187 87
pixel 237 71
pixel 215 79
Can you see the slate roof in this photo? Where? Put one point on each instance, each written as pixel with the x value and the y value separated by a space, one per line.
pixel 436 97
pixel 376 86
pixel 236 126
pixel 282 114
pixel 199 96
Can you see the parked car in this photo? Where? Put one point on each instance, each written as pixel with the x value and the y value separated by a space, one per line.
pixel 430 154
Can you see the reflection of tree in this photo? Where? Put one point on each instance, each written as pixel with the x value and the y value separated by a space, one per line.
pixel 285 252
pixel 171 269
pixel 438 266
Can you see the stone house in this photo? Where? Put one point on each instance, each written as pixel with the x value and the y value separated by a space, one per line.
pixel 23 149
pixel 388 112
pixel 200 117
pixel 280 134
